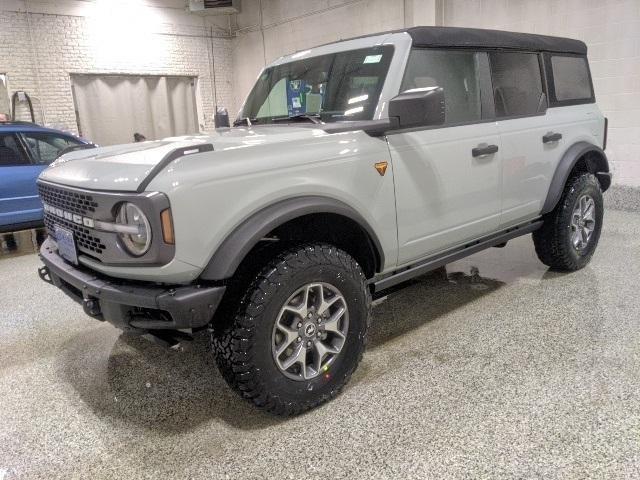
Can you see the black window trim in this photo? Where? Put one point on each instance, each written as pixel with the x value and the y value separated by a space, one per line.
pixel 25 152
pixel 553 101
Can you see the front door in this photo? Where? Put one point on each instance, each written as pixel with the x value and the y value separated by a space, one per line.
pixel 447 179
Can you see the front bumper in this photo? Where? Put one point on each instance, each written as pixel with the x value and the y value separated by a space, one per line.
pixel 128 304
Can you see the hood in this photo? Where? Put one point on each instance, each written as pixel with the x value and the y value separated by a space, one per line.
pixel 125 167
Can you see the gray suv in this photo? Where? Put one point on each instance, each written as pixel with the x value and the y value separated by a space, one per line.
pixel 351 168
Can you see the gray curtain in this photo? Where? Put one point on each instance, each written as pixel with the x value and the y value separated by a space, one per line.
pixel 4 95
pixel 111 108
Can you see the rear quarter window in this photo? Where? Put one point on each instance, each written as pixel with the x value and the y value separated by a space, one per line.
pixel 570 80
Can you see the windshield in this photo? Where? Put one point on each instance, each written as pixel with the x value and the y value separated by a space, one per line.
pixel 335 87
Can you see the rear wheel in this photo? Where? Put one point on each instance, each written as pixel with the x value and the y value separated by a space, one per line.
pixel 299 331
pixel 570 233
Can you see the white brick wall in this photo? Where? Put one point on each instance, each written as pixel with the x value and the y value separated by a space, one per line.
pixel 65 44
pixel 611 30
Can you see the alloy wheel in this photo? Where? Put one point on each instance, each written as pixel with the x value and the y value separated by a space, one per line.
pixel 583 222
pixel 310 331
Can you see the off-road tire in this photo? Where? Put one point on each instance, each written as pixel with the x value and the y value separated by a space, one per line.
pixel 553 240
pixel 242 344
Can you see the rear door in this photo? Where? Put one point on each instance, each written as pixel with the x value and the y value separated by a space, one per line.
pixel 447 191
pixel 531 147
pixel 19 201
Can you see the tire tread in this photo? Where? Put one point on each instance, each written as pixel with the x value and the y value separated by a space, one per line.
pixel 552 240
pixel 232 344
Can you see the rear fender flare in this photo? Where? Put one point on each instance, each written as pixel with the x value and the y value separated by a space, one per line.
pixel 597 164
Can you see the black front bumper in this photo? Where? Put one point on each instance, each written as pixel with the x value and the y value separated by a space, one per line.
pixel 131 304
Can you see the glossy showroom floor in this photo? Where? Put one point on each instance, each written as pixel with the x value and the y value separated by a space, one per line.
pixel 495 368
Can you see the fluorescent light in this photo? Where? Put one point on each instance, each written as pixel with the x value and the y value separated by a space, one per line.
pixel 361 98
pixel 423 89
pixel 351 111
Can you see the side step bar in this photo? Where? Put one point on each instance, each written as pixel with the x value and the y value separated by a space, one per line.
pixel 453 255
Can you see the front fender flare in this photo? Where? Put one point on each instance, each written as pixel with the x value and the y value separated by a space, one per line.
pixel 596 162
pixel 239 243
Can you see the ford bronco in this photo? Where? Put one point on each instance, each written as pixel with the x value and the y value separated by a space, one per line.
pixel 351 168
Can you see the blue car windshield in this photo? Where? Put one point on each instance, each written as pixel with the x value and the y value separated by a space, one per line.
pixel 335 87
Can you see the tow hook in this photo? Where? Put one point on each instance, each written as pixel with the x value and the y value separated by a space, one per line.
pixel 45 276
pixel 91 307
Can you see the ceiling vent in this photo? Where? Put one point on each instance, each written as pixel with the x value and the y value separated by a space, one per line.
pixel 214 7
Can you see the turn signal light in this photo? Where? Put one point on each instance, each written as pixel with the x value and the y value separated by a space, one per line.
pixel 381 167
pixel 167 227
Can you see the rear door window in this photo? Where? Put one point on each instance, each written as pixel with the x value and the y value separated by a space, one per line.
pixel 10 151
pixel 571 80
pixel 517 84
pixel 45 147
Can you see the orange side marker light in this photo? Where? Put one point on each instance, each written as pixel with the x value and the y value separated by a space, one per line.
pixel 381 167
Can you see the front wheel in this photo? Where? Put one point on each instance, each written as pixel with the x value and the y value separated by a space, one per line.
pixel 570 233
pixel 299 332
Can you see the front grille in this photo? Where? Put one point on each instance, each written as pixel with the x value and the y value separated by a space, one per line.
pixel 74 202
pixel 78 210
pixel 84 238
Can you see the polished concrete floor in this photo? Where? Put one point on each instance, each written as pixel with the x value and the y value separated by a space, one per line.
pixel 494 368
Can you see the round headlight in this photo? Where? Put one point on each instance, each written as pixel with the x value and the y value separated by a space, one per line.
pixel 138 239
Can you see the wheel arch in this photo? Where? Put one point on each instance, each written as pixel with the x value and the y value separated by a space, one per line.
pixel 241 241
pixel 586 157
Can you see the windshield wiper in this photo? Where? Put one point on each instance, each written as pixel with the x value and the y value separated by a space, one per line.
pixel 245 121
pixel 313 117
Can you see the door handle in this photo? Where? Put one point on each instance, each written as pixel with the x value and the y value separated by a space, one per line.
pixel 551 137
pixel 484 150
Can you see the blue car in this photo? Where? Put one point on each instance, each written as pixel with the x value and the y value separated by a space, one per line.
pixel 25 150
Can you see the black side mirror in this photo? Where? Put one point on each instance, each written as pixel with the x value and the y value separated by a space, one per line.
pixel 419 107
pixel 221 118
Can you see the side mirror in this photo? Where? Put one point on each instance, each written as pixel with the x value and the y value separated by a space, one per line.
pixel 221 118
pixel 418 107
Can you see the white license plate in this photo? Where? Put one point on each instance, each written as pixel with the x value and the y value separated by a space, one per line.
pixel 66 244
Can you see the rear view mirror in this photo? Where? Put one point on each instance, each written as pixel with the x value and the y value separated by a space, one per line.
pixel 418 107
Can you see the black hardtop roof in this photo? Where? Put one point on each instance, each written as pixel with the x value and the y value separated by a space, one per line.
pixel 482 38
pixel 477 37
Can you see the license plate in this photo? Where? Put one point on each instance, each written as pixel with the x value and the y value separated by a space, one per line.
pixel 66 244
